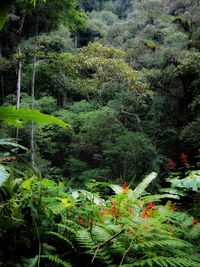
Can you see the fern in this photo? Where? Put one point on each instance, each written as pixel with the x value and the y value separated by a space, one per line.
pixel 104 255
pixel 165 262
pixel 84 239
pixel 32 262
pixel 16 117
pixel 166 243
pixel 195 231
pixel 62 237
pixel 69 228
pixel 56 260
pixel 100 234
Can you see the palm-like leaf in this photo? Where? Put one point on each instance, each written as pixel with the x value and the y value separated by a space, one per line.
pixel 16 117
pixel 139 190
pixel 11 143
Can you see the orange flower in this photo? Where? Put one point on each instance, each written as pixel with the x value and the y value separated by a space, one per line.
pixel 114 209
pixel 124 188
pixel 146 212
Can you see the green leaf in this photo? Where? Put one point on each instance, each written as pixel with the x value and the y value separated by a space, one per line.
pixel 8 183
pixel 9 142
pixel 139 190
pixel 191 182
pixel 16 117
pixel 153 198
pixel 92 197
pixel 28 183
pixel 116 188
pixel 173 191
pixel 33 262
pixel 3 175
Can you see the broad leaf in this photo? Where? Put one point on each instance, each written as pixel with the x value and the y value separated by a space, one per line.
pixel 139 190
pixel 9 183
pixel 191 182
pixel 6 179
pixel 153 198
pixel 3 175
pixel 16 117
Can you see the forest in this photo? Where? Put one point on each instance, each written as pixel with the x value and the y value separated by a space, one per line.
pixel 100 133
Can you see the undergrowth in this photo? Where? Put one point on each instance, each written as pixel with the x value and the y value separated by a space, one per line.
pixel 43 224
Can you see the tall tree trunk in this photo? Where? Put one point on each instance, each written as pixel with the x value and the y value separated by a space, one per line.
pixel 19 76
pixel 33 94
pixel 19 73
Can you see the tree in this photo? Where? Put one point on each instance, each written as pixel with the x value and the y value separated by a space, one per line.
pixel 131 155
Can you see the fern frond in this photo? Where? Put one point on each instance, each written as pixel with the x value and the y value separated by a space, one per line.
pixel 166 243
pixel 100 234
pixel 104 255
pixel 31 262
pixel 166 262
pixel 69 229
pixel 195 232
pixel 57 260
pixel 60 236
pixel 84 239
pixel 16 117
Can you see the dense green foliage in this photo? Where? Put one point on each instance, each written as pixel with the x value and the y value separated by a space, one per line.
pixel 148 91
pixel 122 79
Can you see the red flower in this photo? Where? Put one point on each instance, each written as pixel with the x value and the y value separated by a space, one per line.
pixel 183 158
pixel 79 221
pixel 146 212
pixel 151 206
pixel 171 165
pixel 114 209
pixel 194 221
pixel 124 188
